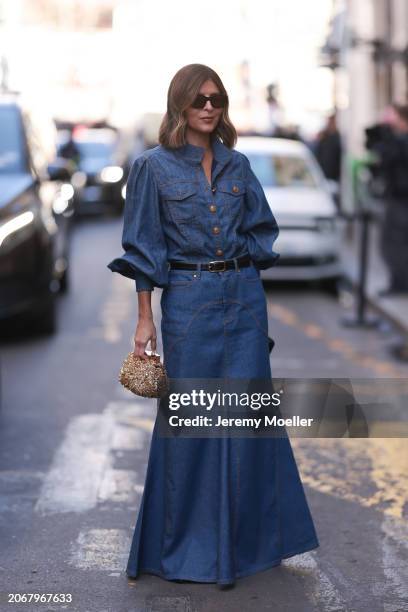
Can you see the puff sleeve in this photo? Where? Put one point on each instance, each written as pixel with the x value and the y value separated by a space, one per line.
pixel 259 223
pixel 145 257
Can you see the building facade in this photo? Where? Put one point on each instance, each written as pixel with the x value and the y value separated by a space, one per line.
pixel 367 48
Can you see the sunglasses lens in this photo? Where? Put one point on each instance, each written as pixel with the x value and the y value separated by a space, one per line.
pixel 217 101
pixel 199 102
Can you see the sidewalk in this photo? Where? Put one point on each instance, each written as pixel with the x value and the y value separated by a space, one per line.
pixel 395 307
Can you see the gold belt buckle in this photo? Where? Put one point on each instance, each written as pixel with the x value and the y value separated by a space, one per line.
pixel 211 265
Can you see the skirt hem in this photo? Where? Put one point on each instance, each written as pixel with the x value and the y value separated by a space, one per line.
pixel 302 549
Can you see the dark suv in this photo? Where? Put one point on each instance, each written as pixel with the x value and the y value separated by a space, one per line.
pixel 35 210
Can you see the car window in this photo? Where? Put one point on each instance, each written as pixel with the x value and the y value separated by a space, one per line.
pixel 281 170
pixel 41 135
pixel 94 149
pixel 11 146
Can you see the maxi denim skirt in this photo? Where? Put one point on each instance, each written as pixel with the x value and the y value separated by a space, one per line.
pixel 216 509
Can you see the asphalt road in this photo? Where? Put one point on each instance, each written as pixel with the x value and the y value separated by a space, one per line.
pixel 74 447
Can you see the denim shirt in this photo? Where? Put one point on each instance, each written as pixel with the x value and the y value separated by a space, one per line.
pixel 173 213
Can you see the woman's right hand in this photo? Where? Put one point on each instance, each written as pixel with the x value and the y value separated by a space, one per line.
pixel 145 331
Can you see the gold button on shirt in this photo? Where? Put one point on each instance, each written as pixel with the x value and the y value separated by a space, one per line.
pixel 173 213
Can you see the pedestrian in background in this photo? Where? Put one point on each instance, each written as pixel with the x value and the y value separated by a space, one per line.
pixel 390 143
pixel 197 223
pixel 69 150
pixel 328 149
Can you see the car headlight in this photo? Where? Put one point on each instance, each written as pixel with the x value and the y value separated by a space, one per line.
pixel 61 202
pixel 67 191
pixel 111 174
pixel 123 192
pixel 325 224
pixel 60 205
pixel 14 224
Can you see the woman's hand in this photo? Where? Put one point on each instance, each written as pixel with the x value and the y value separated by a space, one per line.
pixel 145 331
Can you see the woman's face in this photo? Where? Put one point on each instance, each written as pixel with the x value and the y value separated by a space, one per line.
pixel 205 119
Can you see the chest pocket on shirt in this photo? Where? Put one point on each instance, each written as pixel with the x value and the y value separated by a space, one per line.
pixel 233 194
pixel 181 202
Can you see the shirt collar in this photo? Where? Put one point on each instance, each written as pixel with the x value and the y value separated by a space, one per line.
pixel 195 154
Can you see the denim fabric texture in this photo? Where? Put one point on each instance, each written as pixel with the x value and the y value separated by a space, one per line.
pixel 212 509
pixel 171 211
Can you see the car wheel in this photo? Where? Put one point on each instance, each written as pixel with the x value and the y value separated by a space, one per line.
pixel 64 281
pixel 331 286
pixel 45 321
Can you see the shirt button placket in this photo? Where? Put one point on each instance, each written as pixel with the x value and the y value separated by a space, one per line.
pixel 216 230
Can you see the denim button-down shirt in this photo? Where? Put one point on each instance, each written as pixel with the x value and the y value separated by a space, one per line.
pixel 173 213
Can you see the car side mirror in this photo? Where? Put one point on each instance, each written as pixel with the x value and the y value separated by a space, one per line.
pixel 60 170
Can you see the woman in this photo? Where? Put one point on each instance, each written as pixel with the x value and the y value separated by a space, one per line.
pixel 213 509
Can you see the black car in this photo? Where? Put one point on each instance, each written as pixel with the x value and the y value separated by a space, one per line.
pixel 36 206
pixel 100 176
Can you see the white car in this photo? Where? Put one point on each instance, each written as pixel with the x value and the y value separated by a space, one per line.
pixel 301 200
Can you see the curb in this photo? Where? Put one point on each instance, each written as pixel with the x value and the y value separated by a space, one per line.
pixel 379 308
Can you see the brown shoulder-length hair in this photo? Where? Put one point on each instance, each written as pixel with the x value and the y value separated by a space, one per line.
pixel 183 89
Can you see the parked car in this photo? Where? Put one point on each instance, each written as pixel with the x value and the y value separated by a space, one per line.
pixel 35 211
pixel 301 200
pixel 99 178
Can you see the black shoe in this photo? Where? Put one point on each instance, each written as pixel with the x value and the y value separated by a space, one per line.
pixel 226 587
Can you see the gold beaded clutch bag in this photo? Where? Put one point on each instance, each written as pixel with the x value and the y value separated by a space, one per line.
pixel 144 377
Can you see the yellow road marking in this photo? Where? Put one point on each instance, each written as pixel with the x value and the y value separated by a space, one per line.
pixel 374 471
pixel 337 345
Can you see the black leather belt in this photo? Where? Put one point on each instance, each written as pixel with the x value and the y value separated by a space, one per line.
pixel 212 266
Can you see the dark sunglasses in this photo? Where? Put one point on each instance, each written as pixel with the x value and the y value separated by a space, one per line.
pixel 217 100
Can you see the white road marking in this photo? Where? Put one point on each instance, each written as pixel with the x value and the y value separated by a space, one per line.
pixel 116 310
pixel 138 414
pixel 82 475
pixel 119 486
pixel 324 593
pixel 101 549
pixel 82 472
pixel 129 418
pixel 126 438
pixel 395 536
pixel 78 466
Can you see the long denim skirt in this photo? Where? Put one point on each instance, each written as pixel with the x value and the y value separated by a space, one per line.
pixel 218 508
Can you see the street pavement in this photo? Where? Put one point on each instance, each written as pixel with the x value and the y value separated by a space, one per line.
pixel 74 447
